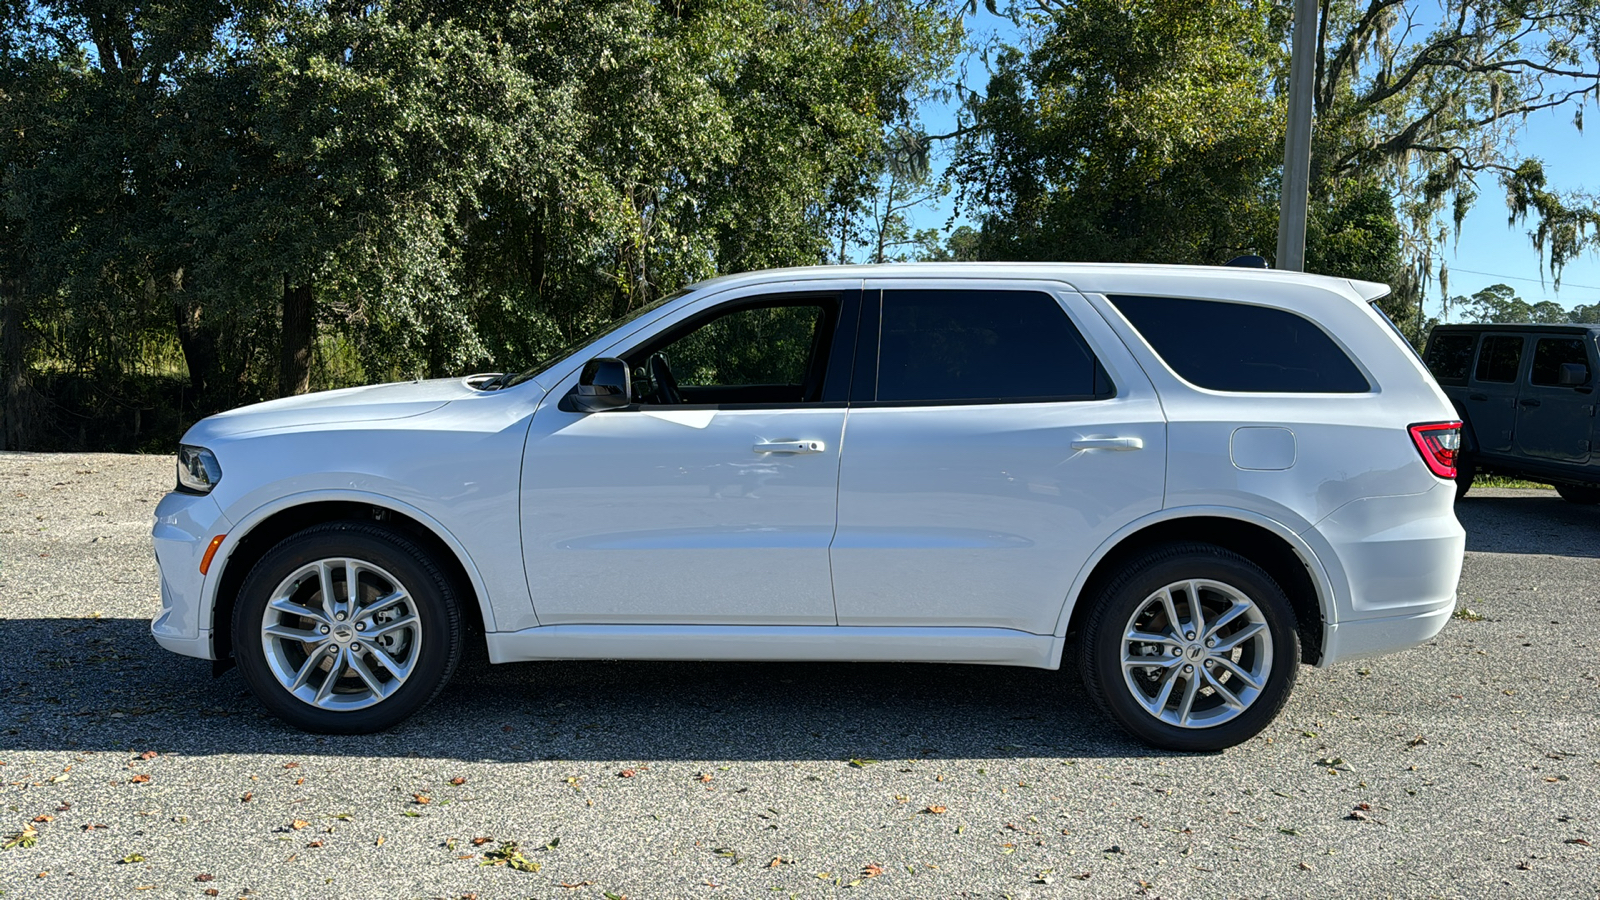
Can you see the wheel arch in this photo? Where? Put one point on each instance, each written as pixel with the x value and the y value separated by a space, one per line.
pixel 1267 543
pixel 262 529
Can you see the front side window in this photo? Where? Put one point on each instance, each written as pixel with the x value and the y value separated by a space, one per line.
pixel 765 351
pixel 1549 354
pixel 977 346
pixel 1499 359
pixel 1238 347
pixel 1450 357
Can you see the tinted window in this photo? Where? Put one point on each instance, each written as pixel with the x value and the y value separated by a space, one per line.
pixel 1499 358
pixel 1550 353
pixel 977 346
pixel 1450 357
pixel 764 345
pixel 1236 347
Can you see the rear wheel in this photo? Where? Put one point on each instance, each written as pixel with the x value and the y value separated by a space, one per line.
pixel 346 628
pixel 1191 648
pixel 1583 494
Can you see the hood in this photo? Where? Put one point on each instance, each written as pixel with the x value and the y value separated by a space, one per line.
pixel 361 404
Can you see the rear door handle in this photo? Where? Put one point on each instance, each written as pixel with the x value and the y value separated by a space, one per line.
pixel 1109 443
pixel 790 447
pixel 1477 396
pixel 1530 402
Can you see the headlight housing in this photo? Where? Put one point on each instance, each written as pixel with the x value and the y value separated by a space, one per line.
pixel 198 470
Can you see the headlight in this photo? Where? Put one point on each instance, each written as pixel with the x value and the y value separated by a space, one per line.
pixel 198 471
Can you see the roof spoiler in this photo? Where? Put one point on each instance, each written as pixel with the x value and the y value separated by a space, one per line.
pixel 1368 290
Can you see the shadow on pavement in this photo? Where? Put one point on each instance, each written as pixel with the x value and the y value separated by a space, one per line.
pixel 103 684
pixel 1529 521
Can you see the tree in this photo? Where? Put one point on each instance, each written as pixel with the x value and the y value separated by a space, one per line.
pixel 1499 304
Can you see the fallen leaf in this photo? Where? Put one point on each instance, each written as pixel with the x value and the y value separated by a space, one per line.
pixel 25 838
pixel 248 796
pixel 776 862
pixel 577 885
pixel 626 773
pixel 1579 841
pixel 705 777
pixel 862 763
pixel 44 818
pixel 139 779
pixel 211 892
pixel 205 876
pixel 936 810
pixel 291 765
pixel 421 799
pixel 1417 741
pixel 480 841
pixel 1083 876
pixel 1305 867
pixel 132 858
pixel 149 754
pixel 298 824
pixel 458 781
pixel 379 841
pixel 316 843
pixel 93 826
pixel 872 870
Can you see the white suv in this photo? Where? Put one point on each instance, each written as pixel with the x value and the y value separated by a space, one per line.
pixel 1185 481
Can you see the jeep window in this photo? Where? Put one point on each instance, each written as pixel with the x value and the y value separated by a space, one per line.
pixel 1550 353
pixel 1450 357
pixel 1499 359
pixel 970 346
pixel 1237 347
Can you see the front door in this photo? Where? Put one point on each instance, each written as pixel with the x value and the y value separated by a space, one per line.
pixel 988 453
pixel 711 499
pixel 1553 419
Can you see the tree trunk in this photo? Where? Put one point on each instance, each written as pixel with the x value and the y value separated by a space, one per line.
pixel 199 345
pixel 299 328
pixel 16 388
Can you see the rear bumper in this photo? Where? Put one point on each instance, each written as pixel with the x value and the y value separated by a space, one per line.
pixel 1399 558
pixel 1374 637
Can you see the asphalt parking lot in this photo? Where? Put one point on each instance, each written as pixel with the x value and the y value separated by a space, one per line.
pixel 1468 767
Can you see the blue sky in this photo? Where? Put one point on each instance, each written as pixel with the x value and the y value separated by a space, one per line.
pixel 1489 250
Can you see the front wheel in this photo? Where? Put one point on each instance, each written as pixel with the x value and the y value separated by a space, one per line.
pixel 1192 648
pixel 1581 494
pixel 346 628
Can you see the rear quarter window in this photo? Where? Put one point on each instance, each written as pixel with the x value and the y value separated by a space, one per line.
pixel 1238 347
pixel 1450 357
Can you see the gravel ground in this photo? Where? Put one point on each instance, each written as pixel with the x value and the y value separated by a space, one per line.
pixel 1467 767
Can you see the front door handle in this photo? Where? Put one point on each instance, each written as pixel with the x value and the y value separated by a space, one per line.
pixel 790 447
pixel 1109 443
pixel 1530 402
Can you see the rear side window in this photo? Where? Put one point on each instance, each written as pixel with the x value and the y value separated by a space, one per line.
pixel 1549 354
pixel 1237 347
pixel 1450 357
pixel 971 346
pixel 1499 359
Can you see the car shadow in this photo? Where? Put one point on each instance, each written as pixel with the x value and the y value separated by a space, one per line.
pixel 1529 521
pixel 103 684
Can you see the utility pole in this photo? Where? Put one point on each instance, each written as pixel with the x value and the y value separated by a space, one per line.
pixel 1297 143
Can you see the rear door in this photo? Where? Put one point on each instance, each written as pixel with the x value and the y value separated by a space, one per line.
pixel 998 432
pixel 1492 391
pixel 1553 419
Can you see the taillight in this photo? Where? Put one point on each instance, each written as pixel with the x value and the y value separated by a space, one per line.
pixel 1438 442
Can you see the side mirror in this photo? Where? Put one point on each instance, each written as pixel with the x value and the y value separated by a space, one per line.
pixel 1573 374
pixel 604 384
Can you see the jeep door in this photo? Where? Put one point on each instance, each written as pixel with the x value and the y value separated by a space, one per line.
pixel 1554 419
pixel 1492 391
pixel 998 433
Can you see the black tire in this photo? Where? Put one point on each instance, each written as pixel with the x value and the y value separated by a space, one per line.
pixel 1130 601
pixel 1581 494
pixel 384 555
pixel 1465 473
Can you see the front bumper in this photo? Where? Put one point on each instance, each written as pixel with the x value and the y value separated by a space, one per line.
pixel 184 526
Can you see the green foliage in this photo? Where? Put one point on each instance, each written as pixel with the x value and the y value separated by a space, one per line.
pixel 439 188
pixel 1499 304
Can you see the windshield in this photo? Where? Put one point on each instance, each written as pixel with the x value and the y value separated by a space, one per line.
pixel 573 346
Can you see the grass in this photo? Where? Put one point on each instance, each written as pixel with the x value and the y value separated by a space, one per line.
pixel 1501 481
